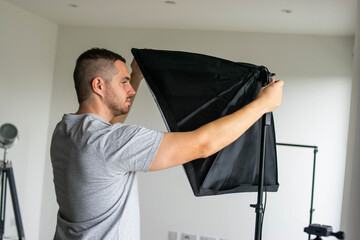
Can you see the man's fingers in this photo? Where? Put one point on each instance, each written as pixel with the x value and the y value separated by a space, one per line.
pixel 272 81
pixel 280 83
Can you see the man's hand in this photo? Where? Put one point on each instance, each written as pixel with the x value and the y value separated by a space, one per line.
pixel 270 96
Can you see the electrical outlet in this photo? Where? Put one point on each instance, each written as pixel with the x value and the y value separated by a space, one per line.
pixel 207 238
pixel 186 236
pixel 172 235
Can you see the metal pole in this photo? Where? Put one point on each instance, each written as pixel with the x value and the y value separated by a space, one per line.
pixel 296 145
pixel 312 189
pixel 3 196
pixel 259 208
pixel 316 149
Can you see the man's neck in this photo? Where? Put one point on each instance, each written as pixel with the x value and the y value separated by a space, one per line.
pixel 86 107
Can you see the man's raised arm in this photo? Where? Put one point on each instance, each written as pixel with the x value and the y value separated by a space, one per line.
pixel 178 148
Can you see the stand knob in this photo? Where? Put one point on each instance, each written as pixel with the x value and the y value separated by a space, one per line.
pixel 339 235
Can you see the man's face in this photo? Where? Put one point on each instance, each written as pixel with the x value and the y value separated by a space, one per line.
pixel 119 91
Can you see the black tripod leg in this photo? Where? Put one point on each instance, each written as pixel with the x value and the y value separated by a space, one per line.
pixel 3 200
pixel 15 202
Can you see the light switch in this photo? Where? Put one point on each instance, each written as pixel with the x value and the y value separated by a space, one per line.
pixel 172 235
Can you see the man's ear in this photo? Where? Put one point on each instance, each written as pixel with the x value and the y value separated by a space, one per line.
pixel 98 86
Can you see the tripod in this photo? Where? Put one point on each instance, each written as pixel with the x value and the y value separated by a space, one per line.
pixel 8 174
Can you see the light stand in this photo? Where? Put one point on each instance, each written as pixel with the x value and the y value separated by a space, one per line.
pixel 315 229
pixel 8 136
pixel 8 174
pixel 316 150
pixel 259 207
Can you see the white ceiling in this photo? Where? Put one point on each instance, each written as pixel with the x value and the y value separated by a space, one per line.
pixel 320 17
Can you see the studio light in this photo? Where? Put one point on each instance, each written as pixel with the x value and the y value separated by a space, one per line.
pixel 8 135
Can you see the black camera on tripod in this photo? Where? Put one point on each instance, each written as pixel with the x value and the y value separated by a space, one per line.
pixel 323 231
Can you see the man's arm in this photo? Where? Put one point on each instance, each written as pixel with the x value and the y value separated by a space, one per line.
pixel 136 77
pixel 178 148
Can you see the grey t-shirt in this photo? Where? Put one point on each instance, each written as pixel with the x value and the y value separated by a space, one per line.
pixel 94 165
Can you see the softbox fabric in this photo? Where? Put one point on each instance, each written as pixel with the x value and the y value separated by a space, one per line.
pixel 193 89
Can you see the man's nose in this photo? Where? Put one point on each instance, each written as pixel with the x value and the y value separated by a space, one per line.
pixel 131 91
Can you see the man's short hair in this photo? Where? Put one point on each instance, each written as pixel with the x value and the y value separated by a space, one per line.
pixel 95 62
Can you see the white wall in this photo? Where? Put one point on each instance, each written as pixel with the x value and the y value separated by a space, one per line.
pixel 27 54
pixel 351 210
pixel 317 71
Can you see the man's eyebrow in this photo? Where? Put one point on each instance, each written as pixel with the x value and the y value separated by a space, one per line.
pixel 126 78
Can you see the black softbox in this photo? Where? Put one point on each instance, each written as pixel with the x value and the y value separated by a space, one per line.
pixel 193 89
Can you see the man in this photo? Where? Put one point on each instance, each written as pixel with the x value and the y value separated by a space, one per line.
pixel 95 162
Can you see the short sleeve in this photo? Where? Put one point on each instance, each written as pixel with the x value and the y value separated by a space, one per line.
pixel 128 148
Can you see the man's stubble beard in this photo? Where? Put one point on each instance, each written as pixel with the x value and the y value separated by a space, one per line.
pixel 114 104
